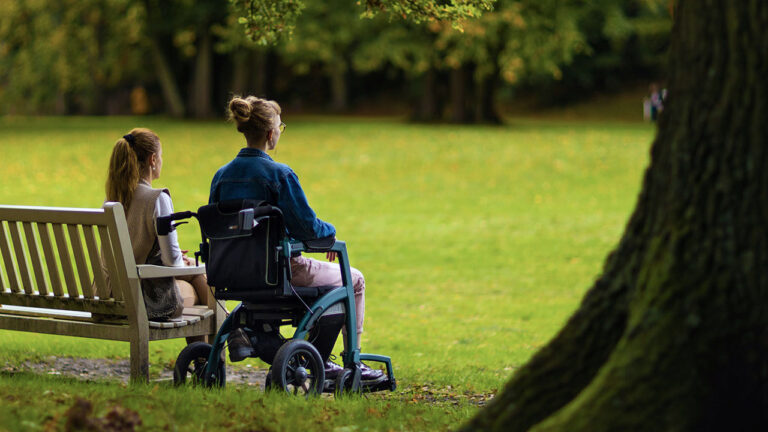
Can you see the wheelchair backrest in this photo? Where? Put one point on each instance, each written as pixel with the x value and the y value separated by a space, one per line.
pixel 240 246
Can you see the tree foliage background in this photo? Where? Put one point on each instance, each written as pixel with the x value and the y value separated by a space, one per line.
pixel 454 60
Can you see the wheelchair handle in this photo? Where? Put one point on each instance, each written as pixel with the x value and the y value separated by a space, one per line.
pixel 165 225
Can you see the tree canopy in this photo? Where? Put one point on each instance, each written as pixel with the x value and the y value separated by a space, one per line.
pixel 450 60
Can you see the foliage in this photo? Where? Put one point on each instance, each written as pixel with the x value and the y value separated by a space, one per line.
pixel 267 21
pixel 67 52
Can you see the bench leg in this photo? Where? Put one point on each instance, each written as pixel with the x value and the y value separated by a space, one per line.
pixel 140 360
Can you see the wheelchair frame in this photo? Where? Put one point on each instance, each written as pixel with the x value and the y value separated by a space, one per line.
pixel 350 379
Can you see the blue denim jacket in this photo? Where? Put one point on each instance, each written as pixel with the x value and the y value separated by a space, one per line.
pixel 254 175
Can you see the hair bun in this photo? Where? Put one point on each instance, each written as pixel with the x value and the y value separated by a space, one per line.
pixel 240 109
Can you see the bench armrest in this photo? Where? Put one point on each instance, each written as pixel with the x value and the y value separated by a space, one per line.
pixel 148 271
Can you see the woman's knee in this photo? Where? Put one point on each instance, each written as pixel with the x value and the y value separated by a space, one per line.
pixel 187 292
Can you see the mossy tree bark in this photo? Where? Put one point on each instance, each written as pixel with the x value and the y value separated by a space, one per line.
pixel 674 334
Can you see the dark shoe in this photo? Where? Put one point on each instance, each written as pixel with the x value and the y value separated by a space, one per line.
pixel 332 370
pixel 369 374
pixel 239 346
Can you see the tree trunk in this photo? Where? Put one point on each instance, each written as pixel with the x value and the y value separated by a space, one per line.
pixel 485 107
pixel 428 109
pixel 262 85
pixel 240 71
pixel 339 90
pixel 459 95
pixel 203 77
pixel 674 334
pixel 173 101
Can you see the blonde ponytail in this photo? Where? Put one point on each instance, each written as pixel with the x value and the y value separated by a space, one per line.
pixel 130 157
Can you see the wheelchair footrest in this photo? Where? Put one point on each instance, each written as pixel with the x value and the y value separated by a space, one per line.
pixel 366 387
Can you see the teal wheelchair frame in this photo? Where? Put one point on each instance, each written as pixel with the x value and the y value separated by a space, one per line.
pixel 296 364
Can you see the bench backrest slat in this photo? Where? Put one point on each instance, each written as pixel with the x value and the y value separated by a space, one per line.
pixel 109 257
pixel 65 260
pixel 10 266
pixel 3 286
pixel 21 260
pixel 118 253
pixel 50 259
pixel 102 290
pixel 82 267
pixel 35 258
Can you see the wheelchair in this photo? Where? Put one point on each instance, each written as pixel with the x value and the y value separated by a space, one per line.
pixel 247 258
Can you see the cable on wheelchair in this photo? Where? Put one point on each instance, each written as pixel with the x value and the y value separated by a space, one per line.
pixel 218 302
pixel 309 309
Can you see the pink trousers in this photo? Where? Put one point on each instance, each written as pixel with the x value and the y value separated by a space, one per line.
pixel 309 272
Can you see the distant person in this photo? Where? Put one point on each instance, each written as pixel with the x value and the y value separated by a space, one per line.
pixel 137 160
pixel 254 175
pixel 656 100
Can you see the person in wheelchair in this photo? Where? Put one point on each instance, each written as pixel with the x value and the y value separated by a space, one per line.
pixel 253 174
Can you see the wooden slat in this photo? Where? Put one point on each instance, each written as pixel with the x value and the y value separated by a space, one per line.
pixel 21 260
pixel 118 332
pixel 45 313
pixel 202 327
pixel 50 259
pixel 109 257
pixel 121 281
pixel 35 258
pixel 10 266
pixel 110 307
pixel 65 260
pixel 149 271
pixel 3 286
pixel 102 290
pixel 60 215
pixel 82 267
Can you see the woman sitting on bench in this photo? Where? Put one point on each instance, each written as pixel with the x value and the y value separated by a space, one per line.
pixel 254 175
pixel 135 162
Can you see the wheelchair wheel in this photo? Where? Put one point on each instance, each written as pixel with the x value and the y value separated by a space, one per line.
pixel 298 369
pixel 191 363
pixel 348 382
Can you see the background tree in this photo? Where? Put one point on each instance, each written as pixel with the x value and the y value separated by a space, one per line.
pixel 325 39
pixel 180 35
pixel 64 55
pixel 674 334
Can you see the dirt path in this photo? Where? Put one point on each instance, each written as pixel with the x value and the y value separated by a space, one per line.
pixel 120 370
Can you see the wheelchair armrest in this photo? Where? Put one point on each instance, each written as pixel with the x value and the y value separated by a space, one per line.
pixel 320 245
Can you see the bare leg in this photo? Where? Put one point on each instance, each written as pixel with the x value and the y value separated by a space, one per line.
pixel 189 298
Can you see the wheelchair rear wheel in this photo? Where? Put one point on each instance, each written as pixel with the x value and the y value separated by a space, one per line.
pixel 191 364
pixel 298 369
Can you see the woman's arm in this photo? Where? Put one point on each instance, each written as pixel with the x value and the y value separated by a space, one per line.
pixel 169 244
pixel 300 219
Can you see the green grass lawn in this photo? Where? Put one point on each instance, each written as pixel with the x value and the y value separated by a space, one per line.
pixel 476 242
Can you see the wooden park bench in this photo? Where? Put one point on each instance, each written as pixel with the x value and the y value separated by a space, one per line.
pixel 51 280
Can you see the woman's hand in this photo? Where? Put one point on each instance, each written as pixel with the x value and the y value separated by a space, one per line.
pixel 187 260
pixel 330 256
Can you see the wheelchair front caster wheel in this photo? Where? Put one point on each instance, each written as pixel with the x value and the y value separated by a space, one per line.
pixel 269 384
pixel 191 365
pixel 298 369
pixel 348 382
